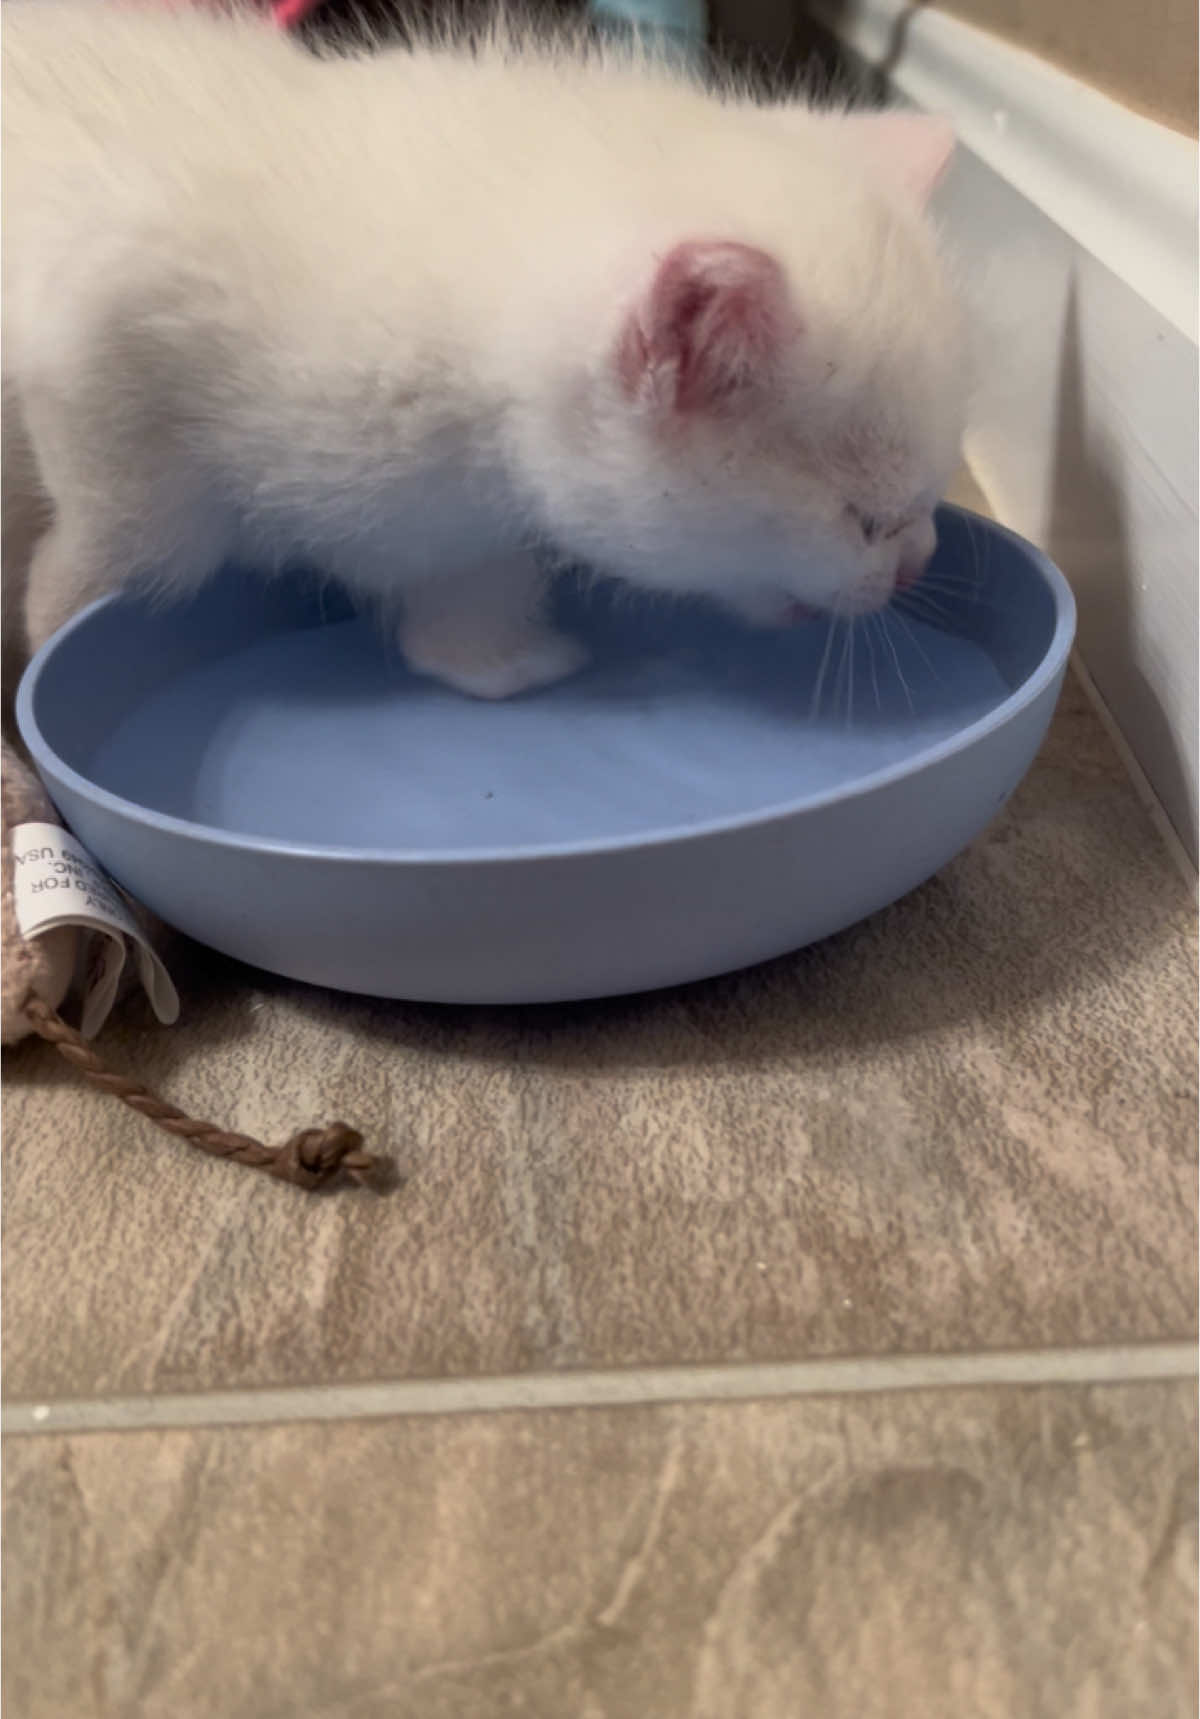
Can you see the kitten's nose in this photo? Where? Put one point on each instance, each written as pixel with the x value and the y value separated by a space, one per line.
pixel 910 570
pixel 916 552
pixel 795 614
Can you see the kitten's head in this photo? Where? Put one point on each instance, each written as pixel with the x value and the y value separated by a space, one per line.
pixel 774 414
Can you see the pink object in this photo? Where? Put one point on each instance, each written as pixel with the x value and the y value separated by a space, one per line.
pixel 910 572
pixel 288 13
pixel 715 318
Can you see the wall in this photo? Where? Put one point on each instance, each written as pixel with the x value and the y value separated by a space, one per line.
pixel 1075 219
pixel 1141 52
pixel 1074 215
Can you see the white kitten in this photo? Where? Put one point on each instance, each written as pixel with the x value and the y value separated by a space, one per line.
pixel 406 316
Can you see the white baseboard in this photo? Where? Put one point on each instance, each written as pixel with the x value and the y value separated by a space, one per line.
pixel 1075 220
pixel 1142 786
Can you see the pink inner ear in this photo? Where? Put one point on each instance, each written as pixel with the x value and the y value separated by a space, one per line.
pixel 910 151
pixel 710 325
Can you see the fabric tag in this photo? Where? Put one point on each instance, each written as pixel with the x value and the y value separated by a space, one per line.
pixel 57 882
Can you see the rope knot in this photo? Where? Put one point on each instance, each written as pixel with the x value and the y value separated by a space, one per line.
pixel 315 1156
pixel 312 1158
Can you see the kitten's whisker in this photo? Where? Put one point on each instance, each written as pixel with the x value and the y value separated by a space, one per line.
pixel 816 698
pixel 942 581
pixel 871 659
pixel 973 542
pixel 891 645
pixel 980 558
pixel 920 649
pixel 841 668
pixel 939 616
pixel 958 580
pixel 913 601
pixel 962 589
pixel 970 574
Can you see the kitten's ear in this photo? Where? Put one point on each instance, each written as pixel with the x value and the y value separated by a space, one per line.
pixel 910 151
pixel 709 327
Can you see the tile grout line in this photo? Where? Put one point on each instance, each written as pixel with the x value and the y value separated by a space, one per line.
pixel 618 1388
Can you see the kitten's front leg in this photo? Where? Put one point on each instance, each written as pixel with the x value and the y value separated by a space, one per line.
pixel 124 504
pixel 483 631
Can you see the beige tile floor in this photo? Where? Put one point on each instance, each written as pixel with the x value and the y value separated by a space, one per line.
pixel 964 1128
pixel 1007 1554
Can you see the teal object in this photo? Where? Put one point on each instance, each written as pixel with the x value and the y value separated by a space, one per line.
pixel 258 769
pixel 680 26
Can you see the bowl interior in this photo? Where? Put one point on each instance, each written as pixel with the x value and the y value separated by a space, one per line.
pixel 270 711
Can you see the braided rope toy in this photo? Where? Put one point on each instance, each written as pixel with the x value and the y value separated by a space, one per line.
pixel 37 973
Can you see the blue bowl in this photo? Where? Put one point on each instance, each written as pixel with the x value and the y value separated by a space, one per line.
pixel 259 770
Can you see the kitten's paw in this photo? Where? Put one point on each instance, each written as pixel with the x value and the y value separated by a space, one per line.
pixel 538 660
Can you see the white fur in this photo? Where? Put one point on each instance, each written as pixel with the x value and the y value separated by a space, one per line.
pixel 366 312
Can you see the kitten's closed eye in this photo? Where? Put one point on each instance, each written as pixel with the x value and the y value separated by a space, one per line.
pixel 870 528
pixel 874 530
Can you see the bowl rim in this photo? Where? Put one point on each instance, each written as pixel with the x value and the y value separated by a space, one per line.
pixel 1049 668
